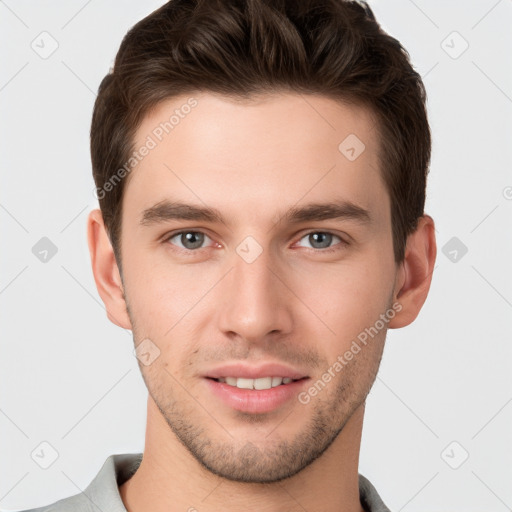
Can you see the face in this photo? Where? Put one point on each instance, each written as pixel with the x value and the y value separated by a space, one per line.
pixel 255 247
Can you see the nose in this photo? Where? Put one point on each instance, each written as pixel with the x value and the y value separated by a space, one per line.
pixel 255 303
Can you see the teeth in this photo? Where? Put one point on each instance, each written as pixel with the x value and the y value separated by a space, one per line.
pixel 261 383
pixel 276 381
pixel 245 383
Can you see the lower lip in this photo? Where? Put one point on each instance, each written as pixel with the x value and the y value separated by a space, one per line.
pixel 255 400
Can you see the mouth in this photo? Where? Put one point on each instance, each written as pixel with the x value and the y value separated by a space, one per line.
pixel 269 386
pixel 255 396
pixel 260 383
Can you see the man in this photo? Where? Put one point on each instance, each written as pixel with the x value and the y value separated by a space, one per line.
pixel 261 170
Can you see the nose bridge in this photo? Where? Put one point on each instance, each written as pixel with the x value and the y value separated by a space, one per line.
pixel 254 304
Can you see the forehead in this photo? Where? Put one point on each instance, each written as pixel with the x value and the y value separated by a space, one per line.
pixel 262 154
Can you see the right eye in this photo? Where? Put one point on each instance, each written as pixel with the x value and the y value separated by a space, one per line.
pixel 188 240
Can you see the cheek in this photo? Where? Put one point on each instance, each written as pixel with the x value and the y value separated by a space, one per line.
pixel 164 297
pixel 347 298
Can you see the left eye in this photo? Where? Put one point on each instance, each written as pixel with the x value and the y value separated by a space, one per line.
pixel 189 240
pixel 321 239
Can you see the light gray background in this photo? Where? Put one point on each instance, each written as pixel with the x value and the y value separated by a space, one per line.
pixel 69 377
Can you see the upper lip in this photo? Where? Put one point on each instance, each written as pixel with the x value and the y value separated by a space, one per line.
pixel 255 372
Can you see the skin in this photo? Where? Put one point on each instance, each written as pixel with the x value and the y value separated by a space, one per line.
pixel 294 304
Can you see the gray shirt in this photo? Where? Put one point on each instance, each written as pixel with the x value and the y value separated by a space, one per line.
pixel 102 494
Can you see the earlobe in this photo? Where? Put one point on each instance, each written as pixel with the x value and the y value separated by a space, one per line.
pixel 105 271
pixel 415 273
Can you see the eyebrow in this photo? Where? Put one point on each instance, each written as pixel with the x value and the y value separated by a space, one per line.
pixel 174 210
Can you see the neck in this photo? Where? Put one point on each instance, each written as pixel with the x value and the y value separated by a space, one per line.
pixel 170 479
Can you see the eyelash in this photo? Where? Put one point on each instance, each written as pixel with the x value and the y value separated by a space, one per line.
pixel 336 247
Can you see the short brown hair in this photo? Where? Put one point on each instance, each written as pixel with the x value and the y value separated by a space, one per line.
pixel 243 48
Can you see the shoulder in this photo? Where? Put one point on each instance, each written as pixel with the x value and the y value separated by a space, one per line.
pixel 369 497
pixel 102 494
pixel 76 503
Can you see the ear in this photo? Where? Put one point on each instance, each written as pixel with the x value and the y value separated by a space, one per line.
pixel 415 273
pixel 105 270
